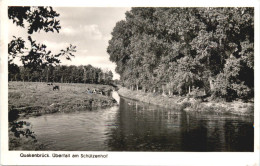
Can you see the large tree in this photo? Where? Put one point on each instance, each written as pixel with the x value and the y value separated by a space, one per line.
pixel 181 48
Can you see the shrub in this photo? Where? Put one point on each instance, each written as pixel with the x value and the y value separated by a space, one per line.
pixel 13 114
pixel 185 105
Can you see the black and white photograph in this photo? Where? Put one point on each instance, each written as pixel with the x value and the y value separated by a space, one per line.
pixel 131 79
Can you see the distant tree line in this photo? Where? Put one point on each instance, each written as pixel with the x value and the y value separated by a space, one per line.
pixel 182 50
pixel 38 63
pixel 62 74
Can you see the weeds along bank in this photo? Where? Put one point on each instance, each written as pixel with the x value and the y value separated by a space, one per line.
pixel 190 104
pixel 34 99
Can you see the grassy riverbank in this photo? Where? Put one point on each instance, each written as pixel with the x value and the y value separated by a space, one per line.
pixel 190 104
pixel 34 99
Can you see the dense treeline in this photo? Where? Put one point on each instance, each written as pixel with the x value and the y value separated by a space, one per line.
pixel 63 74
pixel 185 50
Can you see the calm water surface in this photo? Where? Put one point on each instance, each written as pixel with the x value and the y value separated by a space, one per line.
pixel 136 126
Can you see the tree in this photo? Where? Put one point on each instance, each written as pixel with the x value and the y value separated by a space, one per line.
pixel 175 49
pixel 119 46
pixel 13 71
pixel 37 18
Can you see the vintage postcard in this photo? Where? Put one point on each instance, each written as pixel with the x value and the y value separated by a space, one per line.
pixel 129 83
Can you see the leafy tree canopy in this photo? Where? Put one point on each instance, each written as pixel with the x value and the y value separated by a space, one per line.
pixel 183 48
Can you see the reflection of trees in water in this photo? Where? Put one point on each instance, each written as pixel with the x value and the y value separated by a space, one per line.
pixel 202 133
pixel 142 127
pixel 193 134
pixel 239 136
pixel 209 133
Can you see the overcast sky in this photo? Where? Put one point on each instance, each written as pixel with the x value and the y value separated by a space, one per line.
pixel 87 28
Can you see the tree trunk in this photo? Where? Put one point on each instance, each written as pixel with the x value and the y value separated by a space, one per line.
pixel 48 75
pixel 189 89
pixel 211 84
pixel 163 93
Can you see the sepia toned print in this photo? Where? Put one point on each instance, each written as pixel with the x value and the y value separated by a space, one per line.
pixel 131 79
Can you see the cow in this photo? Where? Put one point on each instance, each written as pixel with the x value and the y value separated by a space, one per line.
pixel 94 91
pixel 49 84
pixel 101 92
pixel 56 87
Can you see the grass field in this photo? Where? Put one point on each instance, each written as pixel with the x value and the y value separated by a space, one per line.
pixel 34 98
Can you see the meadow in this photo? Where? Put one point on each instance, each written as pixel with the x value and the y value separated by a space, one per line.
pixel 35 98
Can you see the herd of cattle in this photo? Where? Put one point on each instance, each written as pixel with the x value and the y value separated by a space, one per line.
pixel 89 91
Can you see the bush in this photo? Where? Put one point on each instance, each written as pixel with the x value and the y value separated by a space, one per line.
pixel 13 114
pixel 185 105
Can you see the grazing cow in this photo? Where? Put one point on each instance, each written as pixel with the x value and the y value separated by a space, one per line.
pixel 49 84
pixel 94 91
pixel 56 87
pixel 101 92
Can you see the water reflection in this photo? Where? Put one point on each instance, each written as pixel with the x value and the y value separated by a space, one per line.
pixel 136 126
pixel 144 127
pixel 116 96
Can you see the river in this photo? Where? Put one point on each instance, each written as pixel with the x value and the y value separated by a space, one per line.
pixel 137 126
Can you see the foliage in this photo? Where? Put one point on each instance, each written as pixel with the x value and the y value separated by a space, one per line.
pixel 36 19
pixel 39 18
pixel 183 49
pixel 18 130
pixel 63 74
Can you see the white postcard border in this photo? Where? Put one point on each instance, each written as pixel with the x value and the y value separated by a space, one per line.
pixel 125 158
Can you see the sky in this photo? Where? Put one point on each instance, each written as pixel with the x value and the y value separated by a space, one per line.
pixel 88 28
